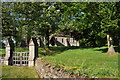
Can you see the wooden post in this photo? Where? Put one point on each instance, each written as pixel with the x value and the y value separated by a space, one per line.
pixel 31 53
pixel 7 56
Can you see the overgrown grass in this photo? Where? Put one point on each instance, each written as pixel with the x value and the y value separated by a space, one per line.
pixel 90 61
pixel 18 72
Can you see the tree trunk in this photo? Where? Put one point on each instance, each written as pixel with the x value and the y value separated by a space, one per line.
pixel 94 43
pixel 28 39
pixel 47 38
pixel 111 50
pixel 12 48
pixel 23 43
pixel 11 43
pixel 36 46
pixel 119 42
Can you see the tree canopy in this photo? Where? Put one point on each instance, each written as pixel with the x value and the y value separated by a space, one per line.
pixel 88 22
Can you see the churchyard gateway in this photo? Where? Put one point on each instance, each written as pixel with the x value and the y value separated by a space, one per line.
pixel 20 58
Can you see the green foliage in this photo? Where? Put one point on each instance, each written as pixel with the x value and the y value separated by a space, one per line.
pixel 87 20
pixel 26 49
pixel 91 21
pixel 2 51
pixel 8 22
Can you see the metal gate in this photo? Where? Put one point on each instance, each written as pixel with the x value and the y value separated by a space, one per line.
pixel 20 58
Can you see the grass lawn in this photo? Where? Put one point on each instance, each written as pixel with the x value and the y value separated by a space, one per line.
pixel 91 61
pixel 2 51
pixel 18 72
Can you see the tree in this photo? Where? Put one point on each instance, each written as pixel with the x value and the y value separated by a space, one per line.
pixel 8 22
pixel 92 22
pixel 39 18
pixel 109 22
pixel 87 22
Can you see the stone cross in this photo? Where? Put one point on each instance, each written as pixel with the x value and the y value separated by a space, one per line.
pixel 31 53
pixel 7 56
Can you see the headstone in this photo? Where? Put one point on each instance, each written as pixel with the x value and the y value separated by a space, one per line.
pixel 31 53
pixel 7 56
pixel 111 50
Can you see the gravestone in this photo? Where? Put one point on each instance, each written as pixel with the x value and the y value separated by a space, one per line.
pixel 111 50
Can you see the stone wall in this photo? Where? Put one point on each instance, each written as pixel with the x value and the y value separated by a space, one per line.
pixel 45 70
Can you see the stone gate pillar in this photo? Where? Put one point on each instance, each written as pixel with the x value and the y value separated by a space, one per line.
pixel 31 53
pixel 7 56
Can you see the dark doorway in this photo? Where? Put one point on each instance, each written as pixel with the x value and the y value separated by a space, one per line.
pixel 52 41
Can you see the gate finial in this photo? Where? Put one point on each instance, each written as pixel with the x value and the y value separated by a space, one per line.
pixel 7 45
pixel 31 43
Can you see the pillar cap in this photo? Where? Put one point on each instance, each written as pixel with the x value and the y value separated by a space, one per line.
pixel 8 44
pixel 31 43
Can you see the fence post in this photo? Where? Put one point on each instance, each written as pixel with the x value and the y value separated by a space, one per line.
pixel 31 53
pixel 7 56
